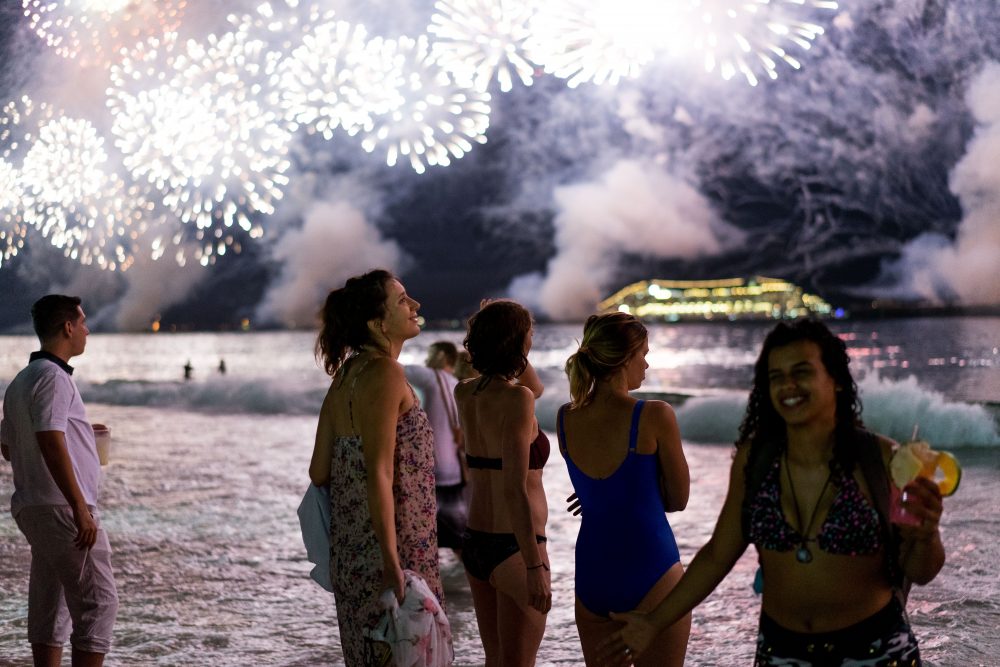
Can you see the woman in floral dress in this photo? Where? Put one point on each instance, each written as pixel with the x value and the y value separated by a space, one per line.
pixel 375 448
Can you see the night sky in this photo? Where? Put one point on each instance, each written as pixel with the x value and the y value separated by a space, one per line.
pixel 871 172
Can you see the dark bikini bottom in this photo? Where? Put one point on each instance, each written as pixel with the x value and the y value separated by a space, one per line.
pixel 883 638
pixel 482 552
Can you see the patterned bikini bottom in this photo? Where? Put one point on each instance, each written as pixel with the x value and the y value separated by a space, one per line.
pixel 881 640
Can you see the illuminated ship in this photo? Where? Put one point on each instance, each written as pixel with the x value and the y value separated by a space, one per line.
pixel 756 298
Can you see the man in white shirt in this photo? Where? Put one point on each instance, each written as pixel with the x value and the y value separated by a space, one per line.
pixel 50 444
pixel 437 383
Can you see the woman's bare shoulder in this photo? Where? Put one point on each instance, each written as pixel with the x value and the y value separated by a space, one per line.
pixel 379 374
pixel 466 386
pixel 659 411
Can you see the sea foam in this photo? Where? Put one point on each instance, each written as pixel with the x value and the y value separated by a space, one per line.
pixel 891 407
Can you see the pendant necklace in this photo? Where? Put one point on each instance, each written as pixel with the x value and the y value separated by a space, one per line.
pixel 803 555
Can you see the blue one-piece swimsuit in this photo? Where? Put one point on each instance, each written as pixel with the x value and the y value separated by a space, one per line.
pixel 625 543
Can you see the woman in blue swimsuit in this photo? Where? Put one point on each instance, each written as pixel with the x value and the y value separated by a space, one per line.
pixel 503 548
pixel 627 467
pixel 809 489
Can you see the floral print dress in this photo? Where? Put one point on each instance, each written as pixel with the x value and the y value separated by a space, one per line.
pixel 355 559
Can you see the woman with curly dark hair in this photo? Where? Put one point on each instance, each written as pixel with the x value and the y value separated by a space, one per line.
pixel 504 545
pixel 809 488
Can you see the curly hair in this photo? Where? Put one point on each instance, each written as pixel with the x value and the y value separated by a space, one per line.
pixel 609 342
pixel 763 423
pixel 345 316
pixel 495 338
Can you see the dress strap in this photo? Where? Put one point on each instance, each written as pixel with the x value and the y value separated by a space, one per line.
pixel 633 435
pixel 350 394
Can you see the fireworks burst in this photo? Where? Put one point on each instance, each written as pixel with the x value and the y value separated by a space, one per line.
pixel 12 227
pixel 327 81
pixel 601 41
pixel 20 120
pixel 93 31
pixel 190 120
pixel 433 118
pixel 73 197
pixel 754 36
pixel 281 24
pixel 605 41
pixel 482 40
pixel 19 123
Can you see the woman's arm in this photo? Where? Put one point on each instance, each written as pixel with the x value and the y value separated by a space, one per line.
pixel 380 395
pixel 675 477
pixel 709 567
pixel 517 433
pixel 319 466
pixel 529 378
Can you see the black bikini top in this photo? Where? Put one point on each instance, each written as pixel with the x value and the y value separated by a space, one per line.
pixel 538 454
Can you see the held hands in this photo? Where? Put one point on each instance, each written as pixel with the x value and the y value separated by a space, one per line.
pixel 540 588
pixel 86 528
pixel 625 646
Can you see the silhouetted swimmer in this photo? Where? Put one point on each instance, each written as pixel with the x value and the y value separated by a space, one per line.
pixel 188 369
pixel 222 366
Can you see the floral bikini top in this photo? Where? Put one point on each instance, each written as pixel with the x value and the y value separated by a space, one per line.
pixel 851 527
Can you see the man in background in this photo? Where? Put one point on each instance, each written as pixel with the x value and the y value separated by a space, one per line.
pixel 50 444
pixel 437 384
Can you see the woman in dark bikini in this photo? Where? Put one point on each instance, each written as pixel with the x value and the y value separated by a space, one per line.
pixel 504 546
pixel 809 489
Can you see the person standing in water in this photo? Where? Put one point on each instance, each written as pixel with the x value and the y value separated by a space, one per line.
pixel 437 382
pixel 809 488
pixel 627 467
pixel 52 449
pixel 504 549
pixel 375 449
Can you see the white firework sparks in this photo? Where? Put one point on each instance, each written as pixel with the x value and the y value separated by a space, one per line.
pixel 282 23
pixel 483 39
pixel 433 118
pixel 601 41
pixel 73 198
pixel 751 37
pixel 19 123
pixel 326 82
pixel 93 31
pixel 20 120
pixel 192 122
pixel 12 226
pixel 605 41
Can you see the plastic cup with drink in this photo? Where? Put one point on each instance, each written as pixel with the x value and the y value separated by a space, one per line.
pixel 102 436
pixel 916 459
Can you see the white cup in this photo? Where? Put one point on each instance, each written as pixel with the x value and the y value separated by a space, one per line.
pixel 102 435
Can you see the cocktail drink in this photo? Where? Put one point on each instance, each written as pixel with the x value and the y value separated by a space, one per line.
pixel 916 459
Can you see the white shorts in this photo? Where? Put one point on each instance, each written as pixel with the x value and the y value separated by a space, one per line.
pixel 69 587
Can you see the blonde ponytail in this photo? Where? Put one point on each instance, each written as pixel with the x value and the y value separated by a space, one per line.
pixel 609 341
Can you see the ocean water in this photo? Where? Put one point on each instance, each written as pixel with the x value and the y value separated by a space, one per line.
pixel 200 498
